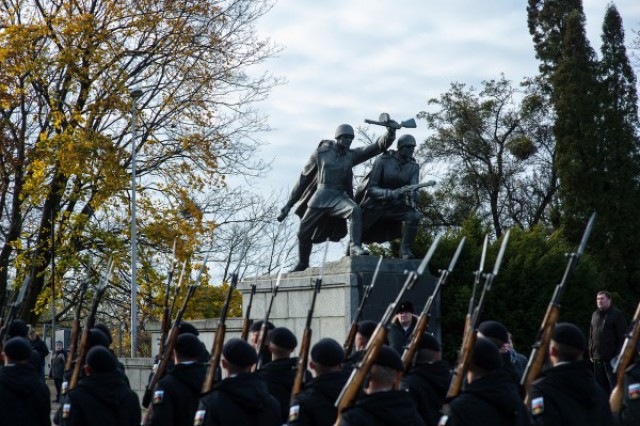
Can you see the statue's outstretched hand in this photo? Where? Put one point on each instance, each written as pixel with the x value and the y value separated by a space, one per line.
pixel 283 213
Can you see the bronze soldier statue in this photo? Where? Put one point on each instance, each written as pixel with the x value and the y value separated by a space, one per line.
pixel 386 199
pixel 325 189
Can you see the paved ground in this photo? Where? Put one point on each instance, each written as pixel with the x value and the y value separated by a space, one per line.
pixel 54 405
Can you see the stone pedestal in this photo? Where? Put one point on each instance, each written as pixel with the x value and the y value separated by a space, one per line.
pixel 342 288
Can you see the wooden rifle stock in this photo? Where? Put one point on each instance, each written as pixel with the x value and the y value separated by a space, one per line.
pixel 303 356
pixel 423 320
pixel 352 388
pixel 90 322
pixel 246 323
pixel 543 338
pixel 625 358
pixel 216 351
pixel 75 327
pixel 469 339
pixel 165 357
pixel 348 344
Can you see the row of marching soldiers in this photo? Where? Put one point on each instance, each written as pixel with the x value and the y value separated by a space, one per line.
pixel 566 394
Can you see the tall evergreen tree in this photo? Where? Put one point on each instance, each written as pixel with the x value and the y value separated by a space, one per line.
pixel 575 98
pixel 620 149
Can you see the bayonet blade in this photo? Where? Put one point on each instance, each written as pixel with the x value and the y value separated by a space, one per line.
pixel 456 255
pixel 503 247
pixel 587 233
pixel 427 257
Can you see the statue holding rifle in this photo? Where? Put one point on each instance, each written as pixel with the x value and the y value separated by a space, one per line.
pixel 325 190
pixel 388 195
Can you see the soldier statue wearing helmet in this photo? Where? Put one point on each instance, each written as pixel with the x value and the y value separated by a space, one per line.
pixel 384 207
pixel 325 192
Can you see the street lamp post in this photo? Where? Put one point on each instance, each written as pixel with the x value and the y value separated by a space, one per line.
pixel 135 93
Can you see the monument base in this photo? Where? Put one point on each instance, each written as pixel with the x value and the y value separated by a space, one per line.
pixel 343 284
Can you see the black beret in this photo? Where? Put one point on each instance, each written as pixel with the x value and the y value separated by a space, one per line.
pixel 188 345
pixel 389 358
pixel 101 360
pixel 367 327
pixel 106 331
pixel 486 355
pixel 97 338
pixel 429 342
pixel 327 352
pixel 18 328
pixel 17 348
pixel 186 327
pixel 283 337
pixel 257 325
pixel 405 306
pixel 240 353
pixel 570 335
pixel 494 330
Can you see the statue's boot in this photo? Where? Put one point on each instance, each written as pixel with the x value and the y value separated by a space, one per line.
pixel 355 248
pixel 409 233
pixel 304 252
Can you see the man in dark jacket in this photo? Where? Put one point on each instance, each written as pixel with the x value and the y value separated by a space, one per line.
pixel 402 326
pixel 428 380
pixel 315 405
pixel 24 398
pixel 102 397
pixel 382 405
pixel 39 346
pixel 606 336
pixel 242 398
pixel 364 333
pixel 567 394
pixel 498 334
pixel 280 373
pixel 58 362
pixel 175 400
pixel 490 398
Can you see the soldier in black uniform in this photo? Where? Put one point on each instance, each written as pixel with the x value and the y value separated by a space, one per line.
pixel 382 405
pixel 102 397
pixel 490 398
pixel 19 328
pixel 281 372
pixel 428 380
pixel 175 400
pixel 24 399
pixel 365 330
pixel 630 413
pixel 326 188
pixel 498 334
pixel 264 356
pixel 242 398
pixel 315 405
pixel 567 394
pixel 384 208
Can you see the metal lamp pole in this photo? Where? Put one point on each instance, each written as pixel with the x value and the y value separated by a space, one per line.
pixel 135 93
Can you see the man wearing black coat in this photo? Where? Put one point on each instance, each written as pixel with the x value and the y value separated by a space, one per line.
pixel 567 394
pixel 280 373
pixel 24 398
pixel 365 330
pixel 428 380
pixel 402 327
pixel 315 405
pixel 490 398
pixel 382 405
pixel 102 397
pixel 39 346
pixel 175 400
pixel 242 398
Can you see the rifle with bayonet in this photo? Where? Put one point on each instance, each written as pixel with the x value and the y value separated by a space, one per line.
pixel 624 359
pixel 172 338
pixel 89 323
pixel 352 388
pixel 543 337
pixel 75 327
pixel 13 311
pixel 423 319
pixel 166 314
pixel 262 334
pixel 348 344
pixel 469 340
pixel 477 276
pixel 246 322
pixel 305 346
pixel 216 351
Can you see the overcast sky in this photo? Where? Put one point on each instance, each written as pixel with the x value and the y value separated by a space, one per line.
pixel 345 61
